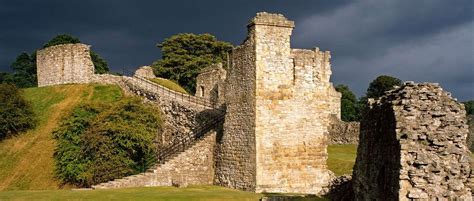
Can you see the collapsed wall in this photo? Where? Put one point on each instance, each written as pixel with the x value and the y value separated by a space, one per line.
pixel 413 146
pixel 64 64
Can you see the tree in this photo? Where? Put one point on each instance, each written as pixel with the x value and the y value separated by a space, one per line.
pixel 349 110
pixel 381 84
pixel 100 64
pixel 24 71
pixel 16 114
pixel 469 105
pixel 377 88
pixel 184 55
pixel 5 77
pixel 61 39
pixel 100 142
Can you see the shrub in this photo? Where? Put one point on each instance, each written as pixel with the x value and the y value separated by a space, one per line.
pixel 102 142
pixel 16 114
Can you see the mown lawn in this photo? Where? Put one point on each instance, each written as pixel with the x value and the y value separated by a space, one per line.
pixel 145 193
pixel 341 158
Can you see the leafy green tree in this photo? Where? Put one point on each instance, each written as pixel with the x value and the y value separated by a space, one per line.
pixel 16 113
pixel 348 104
pixel 101 142
pixel 376 89
pixel 5 77
pixel 381 84
pixel 469 105
pixel 24 71
pixel 185 54
pixel 99 63
pixel 62 39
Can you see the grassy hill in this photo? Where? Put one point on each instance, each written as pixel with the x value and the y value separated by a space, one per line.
pixel 169 84
pixel 26 160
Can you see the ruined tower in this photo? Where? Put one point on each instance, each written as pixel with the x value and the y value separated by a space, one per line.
pixel 64 64
pixel 278 105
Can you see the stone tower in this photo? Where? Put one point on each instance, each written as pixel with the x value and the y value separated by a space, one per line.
pixel 278 105
pixel 64 64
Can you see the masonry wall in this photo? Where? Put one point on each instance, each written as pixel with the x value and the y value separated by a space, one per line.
pixel 145 72
pixel 341 132
pixel 210 83
pixel 235 159
pixel 292 110
pixel 412 146
pixel 64 64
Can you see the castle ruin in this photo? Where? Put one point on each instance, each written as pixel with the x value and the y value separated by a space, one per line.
pixel 64 64
pixel 261 124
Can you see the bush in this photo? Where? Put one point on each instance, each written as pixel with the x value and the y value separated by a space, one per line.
pixel 16 114
pixel 349 110
pixel 102 142
pixel 469 105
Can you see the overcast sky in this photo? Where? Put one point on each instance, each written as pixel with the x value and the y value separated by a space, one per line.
pixel 418 40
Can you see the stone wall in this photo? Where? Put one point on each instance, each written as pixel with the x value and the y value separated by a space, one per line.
pixel 195 166
pixel 412 146
pixel 181 113
pixel 470 137
pixel 210 83
pixel 64 64
pixel 145 72
pixel 341 132
pixel 235 159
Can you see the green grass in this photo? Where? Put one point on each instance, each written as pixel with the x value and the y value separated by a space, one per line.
pixel 26 160
pixel 106 93
pixel 341 158
pixel 169 84
pixel 145 193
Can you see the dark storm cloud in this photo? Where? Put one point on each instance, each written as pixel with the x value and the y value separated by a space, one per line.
pixel 413 40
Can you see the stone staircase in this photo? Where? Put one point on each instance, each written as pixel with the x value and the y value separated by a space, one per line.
pixel 187 159
pixel 184 162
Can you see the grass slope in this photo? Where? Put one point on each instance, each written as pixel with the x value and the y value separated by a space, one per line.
pixel 169 84
pixel 26 160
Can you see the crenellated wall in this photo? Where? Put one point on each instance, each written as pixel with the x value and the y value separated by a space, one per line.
pixel 64 64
